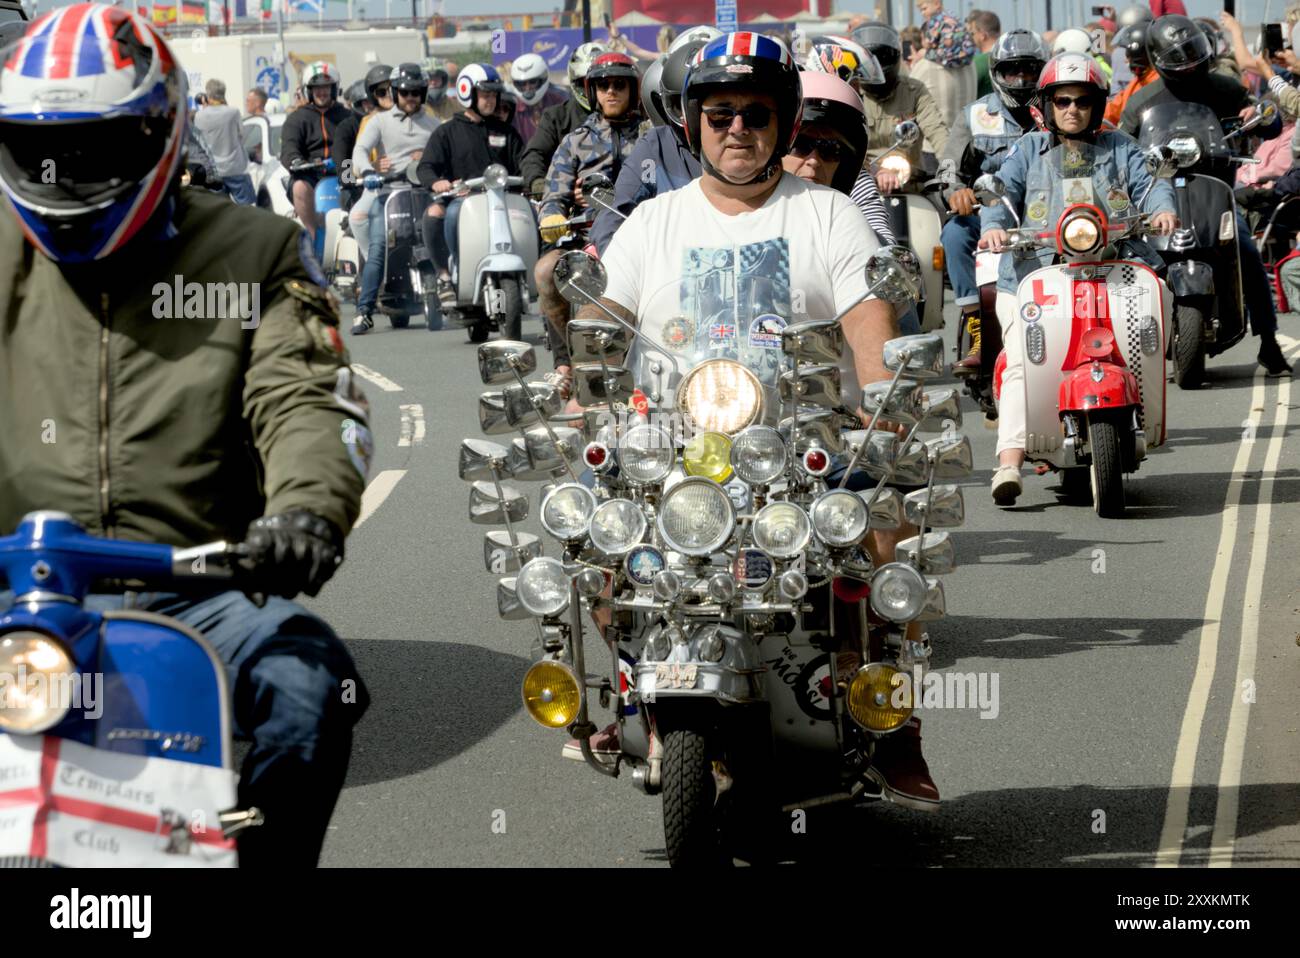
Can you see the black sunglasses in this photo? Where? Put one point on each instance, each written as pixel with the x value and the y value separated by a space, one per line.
pixel 528 84
pixel 414 93
pixel 383 90
pixel 611 83
pixel 1065 102
pixel 830 151
pixel 754 117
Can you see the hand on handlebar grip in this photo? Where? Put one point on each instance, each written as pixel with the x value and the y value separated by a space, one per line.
pixel 1164 223
pixel 441 186
pixel 553 227
pixel 384 164
pixel 994 240
pixel 962 202
pixel 887 180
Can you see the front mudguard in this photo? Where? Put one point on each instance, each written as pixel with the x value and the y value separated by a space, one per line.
pixel 1190 278
pixel 1080 393
pixel 499 263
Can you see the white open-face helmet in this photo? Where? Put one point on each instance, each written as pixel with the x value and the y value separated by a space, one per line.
pixel 530 78
pixel 1073 40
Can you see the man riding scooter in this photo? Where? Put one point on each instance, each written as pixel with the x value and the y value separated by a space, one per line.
pixel 560 120
pixel 980 141
pixel 601 145
pixel 400 134
pixel 308 135
pixel 1184 57
pixel 461 149
pixel 531 78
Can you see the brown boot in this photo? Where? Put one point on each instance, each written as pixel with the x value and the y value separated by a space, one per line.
pixel 970 364
pixel 899 768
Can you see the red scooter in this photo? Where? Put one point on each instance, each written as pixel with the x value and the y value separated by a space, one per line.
pixel 1094 331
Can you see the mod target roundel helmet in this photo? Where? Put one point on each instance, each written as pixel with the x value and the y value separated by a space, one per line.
pixel 476 76
pixel 82 76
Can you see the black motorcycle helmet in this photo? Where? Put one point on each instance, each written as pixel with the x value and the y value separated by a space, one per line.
pixel 377 75
pixel 359 98
pixel 1023 49
pixel 1179 49
pixel 673 78
pixel 1133 41
pixel 409 77
pixel 881 41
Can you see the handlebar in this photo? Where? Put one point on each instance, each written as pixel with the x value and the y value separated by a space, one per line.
pixel 325 164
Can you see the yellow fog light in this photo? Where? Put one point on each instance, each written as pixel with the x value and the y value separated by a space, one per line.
pixel 37 677
pixel 551 694
pixel 708 455
pixel 880 697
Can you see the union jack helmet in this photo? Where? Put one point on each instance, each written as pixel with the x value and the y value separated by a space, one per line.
pixel 92 129
pixel 752 61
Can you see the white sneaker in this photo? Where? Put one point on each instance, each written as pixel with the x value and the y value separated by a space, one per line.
pixel 1006 485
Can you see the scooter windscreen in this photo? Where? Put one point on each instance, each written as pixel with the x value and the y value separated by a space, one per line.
pixel 1074 173
pixel 1191 130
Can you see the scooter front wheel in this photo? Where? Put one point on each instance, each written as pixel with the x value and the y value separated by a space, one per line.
pixel 1189 348
pixel 1107 468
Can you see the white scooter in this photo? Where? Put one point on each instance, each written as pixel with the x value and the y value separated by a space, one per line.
pixel 917 221
pixel 496 250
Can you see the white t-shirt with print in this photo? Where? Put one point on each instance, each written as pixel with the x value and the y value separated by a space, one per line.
pixel 706 284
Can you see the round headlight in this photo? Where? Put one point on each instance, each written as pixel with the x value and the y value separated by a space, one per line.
pixel 781 529
pixel 551 694
pixel 709 455
pixel 617 526
pixel 646 455
pixel 495 177
pixel 567 511
pixel 1186 150
pixel 839 518
pixel 1081 234
pixel 898 165
pixel 543 586
pixel 37 668
pixel 758 455
pixel 721 395
pixel 897 592
pixel 696 517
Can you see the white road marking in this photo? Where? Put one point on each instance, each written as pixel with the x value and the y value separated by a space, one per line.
pixel 1189 736
pixel 1175 831
pixel 1224 840
pixel 380 380
pixel 379 489
pixel 412 430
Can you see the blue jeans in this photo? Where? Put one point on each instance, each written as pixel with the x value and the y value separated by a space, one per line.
pixel 287 671
pixel 909 324
pixel 1256 285
pixel 240 189
pixel 449 227
pixel 372 274
pixel 959 238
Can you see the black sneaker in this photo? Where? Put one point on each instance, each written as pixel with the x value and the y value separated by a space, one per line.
pixel 1271 358
pixel 362 325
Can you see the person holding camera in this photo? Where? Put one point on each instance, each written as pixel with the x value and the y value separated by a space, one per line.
pixel 222 131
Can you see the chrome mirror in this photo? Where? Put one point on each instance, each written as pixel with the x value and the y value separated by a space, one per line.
pixel 817 385
pixel 542 452
pixel 492 414
pixel 947 508
pixel 907 134
pixel 881 455
pixel 942 408
pixel 520 411
pixel 500 555
pixel 481 460
pixel 591 340
pixel 508 605
pixel 935 605
pixel 817 427
pixel 901 402
pixel 816 341
pixel 486 508
pixel 577 273
pixel 592 388
pixel 922 354
pixel 887 509
pixel 937 557
pixel 894 274
pixel 951 456
pixel 989 190
pixel 501 359
pixel 910 466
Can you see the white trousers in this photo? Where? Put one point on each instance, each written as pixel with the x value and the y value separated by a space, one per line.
pixel 359 220
pixel 1012 403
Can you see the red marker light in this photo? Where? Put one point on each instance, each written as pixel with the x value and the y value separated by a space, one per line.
pixel 816 461
pixel 595 455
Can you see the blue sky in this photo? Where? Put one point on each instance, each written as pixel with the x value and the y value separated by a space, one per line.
pixel 1019 12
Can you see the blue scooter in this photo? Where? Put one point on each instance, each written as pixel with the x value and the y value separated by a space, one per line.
pixel 331 236
pixel 115 744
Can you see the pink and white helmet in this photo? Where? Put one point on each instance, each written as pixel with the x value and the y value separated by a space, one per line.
pixel 92 129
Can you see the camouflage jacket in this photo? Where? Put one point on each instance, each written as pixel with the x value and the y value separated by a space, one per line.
pixel 137 402
pixel 595 146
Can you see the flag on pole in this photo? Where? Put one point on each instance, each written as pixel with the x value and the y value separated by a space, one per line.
pixel 163 14
pixel 193 11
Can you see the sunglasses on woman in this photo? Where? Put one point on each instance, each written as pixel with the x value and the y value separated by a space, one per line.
pixel 754 117
pixel 384 90
pixel 830 151
pixel 1065 102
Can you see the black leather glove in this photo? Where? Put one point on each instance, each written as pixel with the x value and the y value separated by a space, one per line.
pixel 292 552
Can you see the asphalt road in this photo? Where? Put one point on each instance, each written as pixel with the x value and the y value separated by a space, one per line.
pixel 1147 667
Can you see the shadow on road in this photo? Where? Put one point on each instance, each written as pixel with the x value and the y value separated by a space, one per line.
pixel 429 702
pixel 959 636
